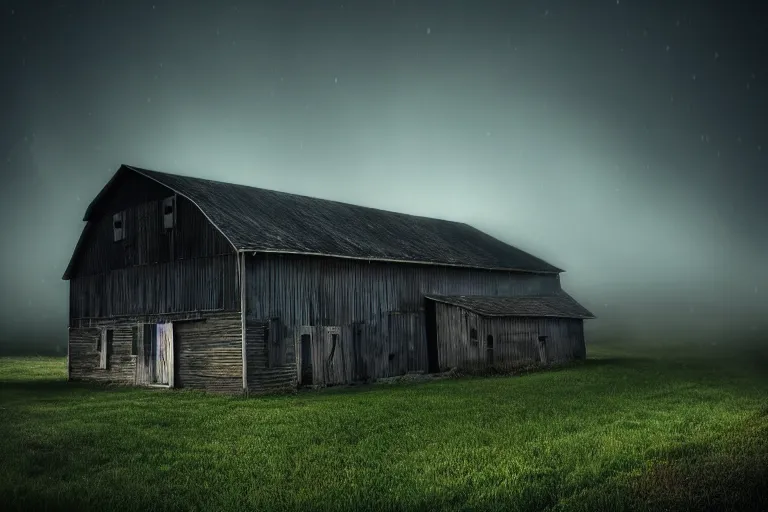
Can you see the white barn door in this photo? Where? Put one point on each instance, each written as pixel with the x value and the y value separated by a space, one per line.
pixel 163 367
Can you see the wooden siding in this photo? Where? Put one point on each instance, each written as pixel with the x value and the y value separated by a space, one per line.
pixel 147 241
pixel 333 354
pixel 208 354
pixel 384 302
pixel 407 348
pixel 154 270
pixel 270 357
pixel 84 356
pixel 179 286
pixel 515 339
pixel 207 350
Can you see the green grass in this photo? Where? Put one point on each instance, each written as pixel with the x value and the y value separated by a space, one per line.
pixel 630 429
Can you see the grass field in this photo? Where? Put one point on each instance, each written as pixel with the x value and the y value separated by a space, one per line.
pixel 630 429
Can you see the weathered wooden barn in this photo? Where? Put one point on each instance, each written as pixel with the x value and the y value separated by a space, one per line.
pixel 191 283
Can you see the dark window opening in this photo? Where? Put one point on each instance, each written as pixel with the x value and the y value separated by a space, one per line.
pixel 489 350
pixel 543 349
pixel 473 336
pixel 306 359
pixel 150 333
pixel 169 218
pixel 118 228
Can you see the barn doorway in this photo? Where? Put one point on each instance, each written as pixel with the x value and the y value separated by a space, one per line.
pixel 489 350
pixel 430 322
pixel 154 365
pixel 306 360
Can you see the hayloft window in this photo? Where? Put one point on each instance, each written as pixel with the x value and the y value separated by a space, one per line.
pixel 118 226
pixel 169 212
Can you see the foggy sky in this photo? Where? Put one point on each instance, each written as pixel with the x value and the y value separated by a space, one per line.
pixel 625 141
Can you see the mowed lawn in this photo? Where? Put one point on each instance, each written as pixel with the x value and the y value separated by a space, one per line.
pixel 630 429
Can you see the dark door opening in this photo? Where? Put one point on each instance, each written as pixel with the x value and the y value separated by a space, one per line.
pixel 306 360
pixel 489 350
pixel 360 366
pixel 430 319
pixel 543 349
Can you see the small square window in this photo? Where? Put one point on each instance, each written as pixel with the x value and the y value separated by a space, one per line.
pixel 118 226
pixel 169 212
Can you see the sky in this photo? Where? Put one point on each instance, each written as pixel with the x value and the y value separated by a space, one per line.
pixel 624 141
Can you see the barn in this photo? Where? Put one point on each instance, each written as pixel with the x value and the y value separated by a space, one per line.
pixel 184 282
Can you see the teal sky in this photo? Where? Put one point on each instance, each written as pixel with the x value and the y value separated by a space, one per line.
pixel 626 142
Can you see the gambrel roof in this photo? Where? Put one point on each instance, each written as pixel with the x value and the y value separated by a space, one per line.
pixel 259 220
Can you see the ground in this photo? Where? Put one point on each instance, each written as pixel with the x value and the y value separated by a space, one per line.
pixel 632 428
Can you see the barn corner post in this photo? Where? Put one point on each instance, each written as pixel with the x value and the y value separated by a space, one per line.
pixel 69 328
pixel 241 277
pixel 69 335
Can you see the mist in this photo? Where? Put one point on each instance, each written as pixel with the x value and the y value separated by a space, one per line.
pixel 625 143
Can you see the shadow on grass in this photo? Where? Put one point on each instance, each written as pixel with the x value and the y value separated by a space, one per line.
pixel 57 387
pixel 726 473
pixel 720 483
pixel 38 385
pixel 729 473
